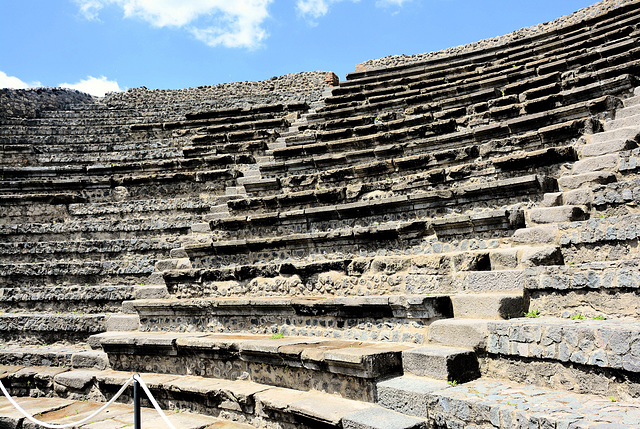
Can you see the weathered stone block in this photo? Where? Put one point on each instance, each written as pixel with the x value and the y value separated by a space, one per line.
pixel 587 179
pixel 471 333
pixel 90 359
pixel 487 306
pixel 122 322
pixel 547 255
pixel 556 214
pixel 441 363
pixel 380 418
pixel 538 234
pixel 597 163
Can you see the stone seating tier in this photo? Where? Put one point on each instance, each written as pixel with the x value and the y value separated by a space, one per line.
pixel 538 88
pixel 502 404
pixel 441 135
pixel 540 42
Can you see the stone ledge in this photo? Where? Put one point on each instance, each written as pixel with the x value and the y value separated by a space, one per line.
pixel 345 367
pixel 592 343
pixel 408 306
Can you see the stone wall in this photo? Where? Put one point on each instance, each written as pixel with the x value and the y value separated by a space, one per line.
pixel 27 103
pixel 578 17
pixel 291 88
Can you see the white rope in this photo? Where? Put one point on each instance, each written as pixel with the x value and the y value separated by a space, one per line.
pixel 68 425
pixel 153 400
pixel 135 377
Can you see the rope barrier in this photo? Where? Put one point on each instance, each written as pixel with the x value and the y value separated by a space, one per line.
pixel 135 377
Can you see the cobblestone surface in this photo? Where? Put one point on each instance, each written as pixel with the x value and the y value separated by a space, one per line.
pixel 506 405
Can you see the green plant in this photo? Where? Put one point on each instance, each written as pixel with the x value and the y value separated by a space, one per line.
pixel 532 313
pixel 613 399
pixel 578 317
pixel 277 336
pixel 452 383
pixel 599 318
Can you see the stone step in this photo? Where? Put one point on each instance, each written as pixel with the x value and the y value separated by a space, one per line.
pixel 606 147
pixel 628 122
pixel 487 305
pixel 627 112
pixel 65 299
pixel 606 290
pixel 246 401
pixel 460 332
pixel 65 411
pixel 49 328
pixel 396 318
pixel 547 215
pixel 628 133
pixel 349 368
pixel 441 363
pixel 578 354
pixel 74 229
pixel 504 404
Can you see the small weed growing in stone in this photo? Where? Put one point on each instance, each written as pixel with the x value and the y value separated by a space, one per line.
pixel 452 383
pixel 613 399
pixel 532 313
pixel 578 317
pixel 599 318
pixel 277 336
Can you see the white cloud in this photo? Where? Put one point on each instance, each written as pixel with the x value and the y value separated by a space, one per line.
pixel 230 23
pixel 95 86
pixel 15 83
pixel 385 3
pixel 314 9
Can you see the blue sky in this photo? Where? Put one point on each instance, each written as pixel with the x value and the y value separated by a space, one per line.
pixel 106 45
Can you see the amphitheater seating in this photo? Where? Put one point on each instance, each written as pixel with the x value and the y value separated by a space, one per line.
pixel 362 260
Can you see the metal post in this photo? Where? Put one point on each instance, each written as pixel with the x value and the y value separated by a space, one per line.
pixel 136 405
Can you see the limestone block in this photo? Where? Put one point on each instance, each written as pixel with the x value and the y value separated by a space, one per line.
pixel 578 197
pixel 325 409
pixel 608 147
pixel 536 234
pixel 380 418
pixel 406 394
pixel 200 228
pixel 441 363
pixel 556 214
pixel 77 380
pixel 492 281
pixel 90 359
pixel 151 292
pixel 503 259
pixel 576 181
pixel 551 199
pixel 122 322
pixel 471 333
pixel 546 255
pixel 487 306
pixel 597 163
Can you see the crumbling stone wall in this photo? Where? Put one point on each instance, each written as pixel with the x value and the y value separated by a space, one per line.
pixel 27 103
pixel 291 88
pixel 579 17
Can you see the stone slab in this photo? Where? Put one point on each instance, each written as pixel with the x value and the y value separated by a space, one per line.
pixel 325 409
pixel 468 333
pixel 381 418
pixel 487 306
pixel 406 394
pixel 441 363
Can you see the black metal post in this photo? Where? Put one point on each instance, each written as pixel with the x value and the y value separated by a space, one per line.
pixel 136 405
